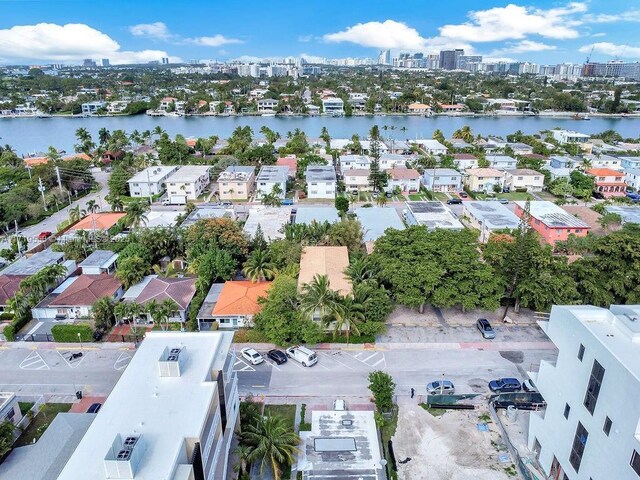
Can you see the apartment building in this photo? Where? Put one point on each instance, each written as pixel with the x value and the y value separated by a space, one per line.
pixel 524 179
pixel 590 428
pixel 568 136
pixel 150 181
pixel 484 179
pixel 321 181
pixel 354 162
pixel 551 221
pixel 333 105
pixel 171 415
pixel 269 177
pixel 608 182
pixel 187 183
pixel 236 183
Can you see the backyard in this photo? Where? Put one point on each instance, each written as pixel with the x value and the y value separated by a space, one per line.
pixel 40 423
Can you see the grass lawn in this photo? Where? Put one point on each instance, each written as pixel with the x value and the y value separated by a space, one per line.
pixel 25 407
pixel 386 432
pixel 436 412
pixel 40 423
pixel 513 196
pixel 399 198
pixel 288 412
pixel 416 197
pixel 440 196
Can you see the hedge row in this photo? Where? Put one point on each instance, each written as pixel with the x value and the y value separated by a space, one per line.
pixel 15 326
pixel 69 333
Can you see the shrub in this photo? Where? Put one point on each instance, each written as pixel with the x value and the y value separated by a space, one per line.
pixel 69 333
pixel 9 333
pixel 6 316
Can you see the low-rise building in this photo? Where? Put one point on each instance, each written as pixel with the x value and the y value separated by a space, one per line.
pixel 9 408
pixel 357 180
pixel 100 261
pixel 608 182
pixel 90 108
pixel 630 162
pixel 442 180
pixel 418 108
pixel 567 136
pixel 325 261
pixel 551 221
pixel 388 161
pixel 155 288
pixel 354 162
pixel 603 161
pixel 488 217
pixel 94 222
pixel 150 181
pixel 524 179
pixel 430 146
pixel 116 107
pixel 181 422
pixel 587 413
pixel 321 181
pixel 560 161
pixel 502 162
pixel 203 212
pixel 187 183
pixel 632 178
pixel 464 161
pixel 291 162
pixel 628 213
pixel 272 179
pixel 232 304
pixel 431 215
pixel 267 105
pixel 270 221
pixel 376 220
pixel 484 179
pixel 307 214
pixel 333 105
pixel 237 183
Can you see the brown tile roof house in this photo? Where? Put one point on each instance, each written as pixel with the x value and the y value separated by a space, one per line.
pixel 464 156
pixel 86 289
pixel 180 290
pixel 329 261
pixel 9 285
pixel 404 174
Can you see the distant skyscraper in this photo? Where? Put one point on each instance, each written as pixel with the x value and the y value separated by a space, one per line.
pixel 87 62
pixel 385 57
pixel 165 61
pixel 105 62
pixel 450 59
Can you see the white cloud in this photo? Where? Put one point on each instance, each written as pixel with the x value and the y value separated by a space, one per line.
pixel 628 16
pixel 160 31
pixel 68 43
pixel 601 34
pixel 612 49
pixel 387 34
pixel 523 47
pixel 515 22
pixel 305 38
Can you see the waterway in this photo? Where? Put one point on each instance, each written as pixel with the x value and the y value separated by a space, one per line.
pixel 29 135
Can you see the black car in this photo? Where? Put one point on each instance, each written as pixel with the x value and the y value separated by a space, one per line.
pixel 454 201
pixel 94 408
pixel 598 195
pixel 277 356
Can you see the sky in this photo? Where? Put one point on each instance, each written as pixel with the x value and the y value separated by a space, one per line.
pixel 138 31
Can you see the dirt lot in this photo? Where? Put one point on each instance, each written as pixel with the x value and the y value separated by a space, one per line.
pixel 449 317
pixel 448 447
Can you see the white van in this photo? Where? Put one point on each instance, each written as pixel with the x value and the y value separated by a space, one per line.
pixel 303 355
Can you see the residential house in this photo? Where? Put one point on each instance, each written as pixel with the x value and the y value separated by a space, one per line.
pixel 117 107
pixel 357 180
pixel 350 162
pixel 603 161
pixel 90 108
pixel 232 304
pixel 375 221
pixel 270 220
pixel 432 215
pixel 629 162
pixel 267 105
pixel 321 181
pixel 464 161
pixel 158 289
pixel 520 148
pixel 551 221
pixel 632 178
pixel 589 428
pixel 502 162
pixel 172 414
pixel 484 179
pixel 488 217
pixel 308 214
pixel 100 261
pixel 524 179
pixel 9 409
pixel 150 181
pixel 333 105
pixel 74 298
pixel 388 161
pixel 431 147
pixel 452 108
pixel 269 177
pixel 400 147
pixel 418 108
pixel 405 179
pixel 459 144
pixel 92 223
pixel 166 103
pixel 325 261
pixel 291 162
pixel 187 183
pixel 567 136
pixel 609 183
pixel 237 183
pixel 442 180
pixel 558 161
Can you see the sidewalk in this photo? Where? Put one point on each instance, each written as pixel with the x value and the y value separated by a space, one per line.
pixel 544 345
pixel 68 346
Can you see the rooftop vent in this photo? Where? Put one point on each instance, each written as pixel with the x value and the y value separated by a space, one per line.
pixel 123 458
pixel 172 361
pixel 124 455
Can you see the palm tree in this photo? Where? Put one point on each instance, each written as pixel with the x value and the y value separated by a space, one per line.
pixel 18 305
pixel 136 217
pixel 258 266
pixel 242 454
pixel 92 206
pixel 116 203
pixel 381 201
pixel 52 273
pixel 318 297
pixel 345 317
pixel 103 136
pixel 272 442
pixel 360 270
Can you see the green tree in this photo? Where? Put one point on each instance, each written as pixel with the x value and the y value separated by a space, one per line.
pixel 103 313
pixel 117 182
pixel 347 233
pixel 317 298
pixel 342 204
pixel 258 266
pixel 583 185
pixel 6 437
pixel 347 315
pixel 272 442
pixel 383 388
pixel 131 270
pixel 215 265
pixel 221 233
pixel 135 217
pixel 561 188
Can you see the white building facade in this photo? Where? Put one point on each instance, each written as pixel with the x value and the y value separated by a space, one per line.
pixel 150 181
pixel 187 183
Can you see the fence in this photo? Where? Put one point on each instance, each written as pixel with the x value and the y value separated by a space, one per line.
pixel 30 415
pixel 34 337
pixel 115 338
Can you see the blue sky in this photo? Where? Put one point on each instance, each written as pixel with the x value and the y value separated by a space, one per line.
pixel 541 31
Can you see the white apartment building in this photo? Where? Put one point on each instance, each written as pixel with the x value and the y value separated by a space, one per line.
pixel 432 147
pixel 591 426
pixel 236 182
pixel 267 105
pixel 118 106
pixel 524 178
pixel 632 178
pixel 171 415
pixel 270 176
pixel 90 108
pixel 333 105
pixel 388 161
pixel 568 136
pixel 321 181
pixel 150 181
pixel 187 183
pixel 354 162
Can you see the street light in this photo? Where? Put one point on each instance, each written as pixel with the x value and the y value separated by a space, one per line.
pixel 80 340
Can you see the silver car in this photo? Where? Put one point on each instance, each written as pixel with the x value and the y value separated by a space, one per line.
pixel 441 387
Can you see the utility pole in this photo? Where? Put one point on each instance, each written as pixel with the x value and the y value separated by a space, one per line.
pixel 41 188
pixel 59 181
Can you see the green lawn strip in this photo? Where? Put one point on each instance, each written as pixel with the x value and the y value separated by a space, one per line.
pixel 25 407
pixel 436 412
pixel 40 423
pixel 386 432
pixel 288 412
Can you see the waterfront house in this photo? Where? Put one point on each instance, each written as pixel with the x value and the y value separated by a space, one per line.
pixel 608 182
pixel 442 180
pixel 524 179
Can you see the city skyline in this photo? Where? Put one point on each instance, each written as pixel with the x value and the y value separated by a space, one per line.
pixel 547 32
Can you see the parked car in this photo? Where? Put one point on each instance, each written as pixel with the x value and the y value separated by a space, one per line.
pixel 44 235
pixel 303 355
pixel 253 357
pixel 388 194
pixel 505 385
pixel 485 328
pixel 633 196
pixel 227 203
pixel 454 201
pixel 463 195
pixel 94 408
pixel 441 387
pixel 529 386
pixel 287 201
pixel 339 405
pixel 597 195
pixel 503 201
pixel 277 356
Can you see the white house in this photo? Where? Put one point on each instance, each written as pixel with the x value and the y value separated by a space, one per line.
pixel 100 261
pixel 357 180
pixel 568 136
pixel 502 162
pixel 321 181
pixel 267 105
pixel 463 161
pixel 524 178
pixel 90 108
pixel 590 427
pixel 442 180
pixel 333 105
pixel 187 183
pixel 350 162
pixel 150 181
pixel 118 106
pixel 406 179
pixel 432 147
pixel 603 161
pixel 388 161
pixel 632 178
pixel 270 176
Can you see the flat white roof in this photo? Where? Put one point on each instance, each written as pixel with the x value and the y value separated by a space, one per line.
pixel 493 215
pixel 188 174
pixel 270 219
pixel 375 220
pixel 162 410
pixel 309 213
pixel 552 215
pixel 159 218
pixel 152 174
pixel 434 215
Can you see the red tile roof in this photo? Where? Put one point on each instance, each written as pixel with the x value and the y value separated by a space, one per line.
pixel 604 172
pixel 98 221
pixel 292 163
pixel 86 289
pixel 180 290
pixel 464 156
pixel 240 298
pixel 404 174
pixel 9 285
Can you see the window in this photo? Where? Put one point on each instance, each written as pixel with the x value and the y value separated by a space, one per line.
pixel 607 426
pixel 520 178
pixel 635 462
pixel 593 388
pixel 581 352
pixel 577 449
pixel 567 409
pixel 578 230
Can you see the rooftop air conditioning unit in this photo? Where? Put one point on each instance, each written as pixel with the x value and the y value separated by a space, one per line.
pixel 172 358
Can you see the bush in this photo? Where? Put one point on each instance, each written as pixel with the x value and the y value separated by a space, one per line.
pixel 352 339
pixel 15 326
pixel 9 333
pixel 6 316
pixel 470 193
pixel 69 333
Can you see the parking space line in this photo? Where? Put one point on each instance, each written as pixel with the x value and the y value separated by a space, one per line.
pixel 369 357
pixel 378 362
pixel 273 365
pixel 34 361
pixel 246 367
pixel 122 361
pixel 336 360
pixel 71 365
pixel 357 355
pixel 321 365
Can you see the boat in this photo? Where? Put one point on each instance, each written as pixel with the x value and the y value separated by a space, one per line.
pixel 268 114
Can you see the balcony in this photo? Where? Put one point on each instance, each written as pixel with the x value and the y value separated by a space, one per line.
pixel 210 435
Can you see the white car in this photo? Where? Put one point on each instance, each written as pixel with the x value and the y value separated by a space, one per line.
pixel 250 355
